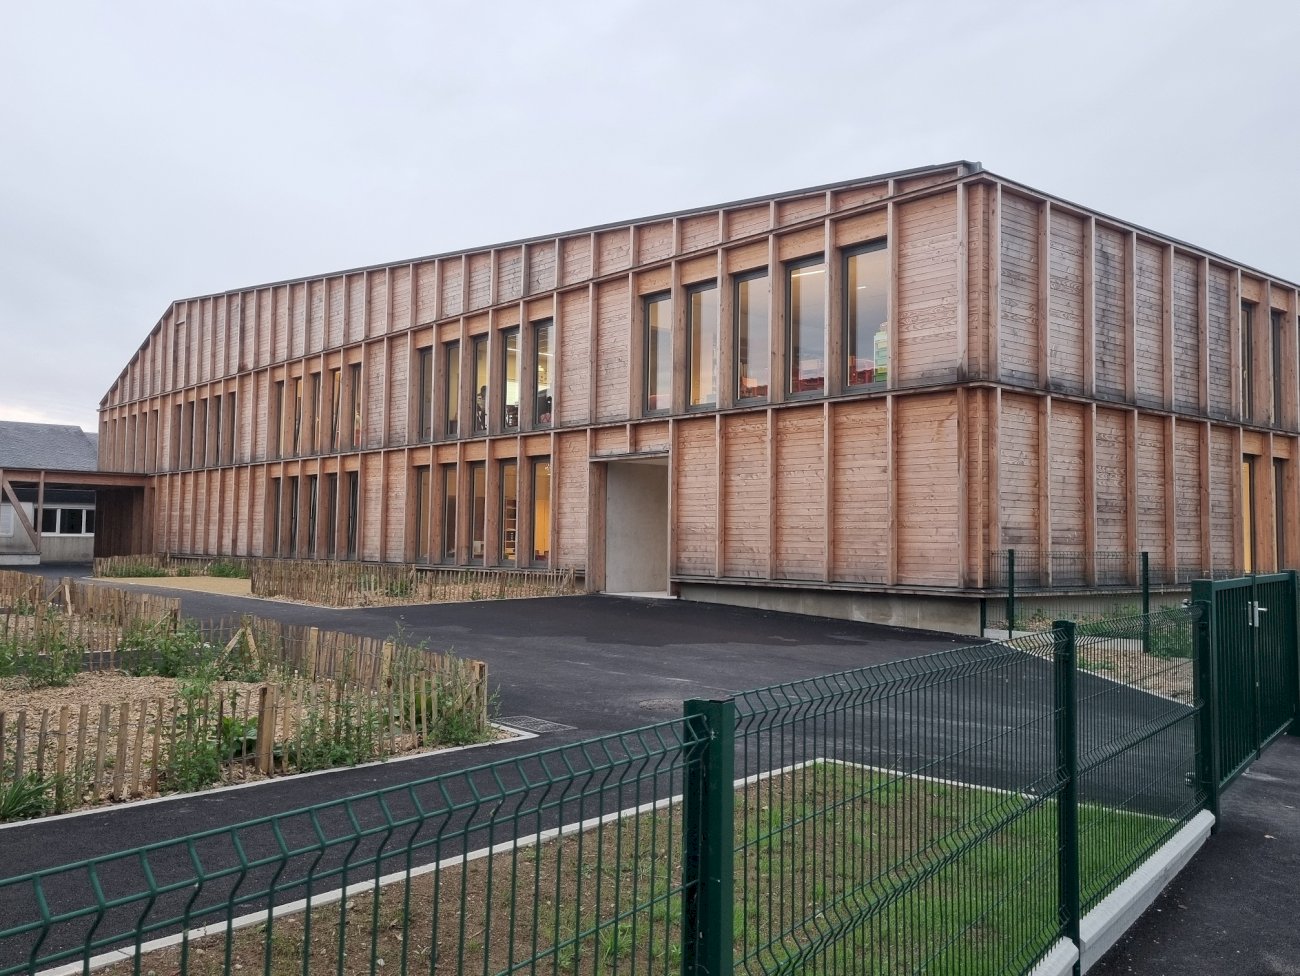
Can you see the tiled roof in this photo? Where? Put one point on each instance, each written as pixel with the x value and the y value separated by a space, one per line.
pixel 53 447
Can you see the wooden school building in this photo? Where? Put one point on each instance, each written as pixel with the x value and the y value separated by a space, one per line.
pixel 839 400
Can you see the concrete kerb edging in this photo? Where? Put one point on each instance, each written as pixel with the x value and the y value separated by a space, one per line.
pixel 516 735
pixel 1102 927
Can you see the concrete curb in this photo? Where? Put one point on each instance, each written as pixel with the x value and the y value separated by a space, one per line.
pixel 1102 927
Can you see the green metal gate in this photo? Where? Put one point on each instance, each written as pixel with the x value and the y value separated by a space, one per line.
pixel 1253 677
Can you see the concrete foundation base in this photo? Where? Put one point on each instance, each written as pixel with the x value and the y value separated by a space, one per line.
pixel 19 559
pixel 951 615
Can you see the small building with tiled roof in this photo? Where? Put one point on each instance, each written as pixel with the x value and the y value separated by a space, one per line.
pixel 63 518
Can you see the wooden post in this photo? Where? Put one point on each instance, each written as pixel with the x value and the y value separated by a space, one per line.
pixel 266 729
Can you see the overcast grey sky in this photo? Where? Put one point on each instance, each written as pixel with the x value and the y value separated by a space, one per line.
pixel 155 151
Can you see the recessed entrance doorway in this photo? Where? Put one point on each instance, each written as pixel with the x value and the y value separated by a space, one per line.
pixel 636 527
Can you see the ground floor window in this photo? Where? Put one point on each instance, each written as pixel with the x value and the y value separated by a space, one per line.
pixel 541 528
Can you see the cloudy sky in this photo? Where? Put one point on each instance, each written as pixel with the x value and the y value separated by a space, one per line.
pixel 157 151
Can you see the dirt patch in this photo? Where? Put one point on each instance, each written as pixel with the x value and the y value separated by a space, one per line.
pixel 223 585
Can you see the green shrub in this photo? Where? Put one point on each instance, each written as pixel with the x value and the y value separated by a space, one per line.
pixel 30 795
pixel 350 736
pixel 225 569
pixel 41 650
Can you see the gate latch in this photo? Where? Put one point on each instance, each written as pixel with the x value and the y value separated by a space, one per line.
pixel 1255 611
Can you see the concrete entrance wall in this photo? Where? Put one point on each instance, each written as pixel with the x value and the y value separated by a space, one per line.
pixel 636 527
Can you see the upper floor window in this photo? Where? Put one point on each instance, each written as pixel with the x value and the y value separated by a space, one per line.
pixel 1275 320
pixel 1247 353
pixel 866 314
pixel 658 353
pixel 424 411
pixel 480 350
pixel 336 404
pixel 354 384
pixel 702 345
pixel 806 326
pixel 544 397
pixel 451 389
pixel 753 336
pixel 510 379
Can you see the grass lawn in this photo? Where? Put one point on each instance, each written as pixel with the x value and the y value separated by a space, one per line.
pixel 837 870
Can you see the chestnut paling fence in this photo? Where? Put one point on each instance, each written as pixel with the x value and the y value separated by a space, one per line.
pixel 957 813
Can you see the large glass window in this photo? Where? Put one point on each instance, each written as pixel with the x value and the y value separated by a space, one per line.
pixel 509 512
pixel 451 391
pixel 510 379
pixel 425 410
pixel 480 350
pixel 449 513
pixel 702 355
pixel 277 419
pixel 541 511
pixel 277 506
pixel 658 353
pixel 1248 513
pixel 806 326
pixel 478 510
pixel 753 337
pixel 866 326
pixel 542 370
pixel 1280 511
pixel 293 517
pixel 313 413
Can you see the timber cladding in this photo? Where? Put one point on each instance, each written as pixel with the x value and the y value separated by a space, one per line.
pixel 1036 375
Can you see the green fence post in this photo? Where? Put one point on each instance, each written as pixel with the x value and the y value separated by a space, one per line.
pixel 1145 559
pixel 1011 593
pixel 708 849
pixel 1293 642
pixel 1066 733
pixel 1206 691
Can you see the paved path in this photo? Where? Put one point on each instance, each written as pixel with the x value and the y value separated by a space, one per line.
pixel 1233 909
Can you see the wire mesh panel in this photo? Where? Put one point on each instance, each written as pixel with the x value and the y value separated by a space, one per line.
pixel 1137 741
pixel 562 861
pixel 901 818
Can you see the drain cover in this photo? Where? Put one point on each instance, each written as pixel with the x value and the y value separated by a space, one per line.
pixel 527 723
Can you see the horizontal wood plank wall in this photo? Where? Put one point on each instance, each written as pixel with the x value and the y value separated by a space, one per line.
pixel 928 520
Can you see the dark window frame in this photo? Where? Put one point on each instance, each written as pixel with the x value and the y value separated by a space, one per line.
pixel 691 352
pixel 869 247
pixel 647 302
pixel 791 365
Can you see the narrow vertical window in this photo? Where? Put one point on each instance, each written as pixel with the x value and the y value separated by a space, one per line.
pixel 354 512
pixel 806 327
pixel 232 401
pixel 313 414
pixel 543 399
pixel 866 301
pixel 336 405
pixel 510 379
pixel 297 416
pixel 541 529
pixel 1248 513
pixel 277 420
pixel 451 390
pixel 312 497
pixel 702 345
pixel 753 337
pixel 478 510
pixel 425 411
pixel 480 351
pixel 331 515
pixel 658 353
pixel 1247 352
pixel 1280 512
pixel 276 503
pixel 509 512
pixel 1275 320
pixel 218 434
pixel 357 404
pixel 449 513
pixel 422 502
pixel 293 517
